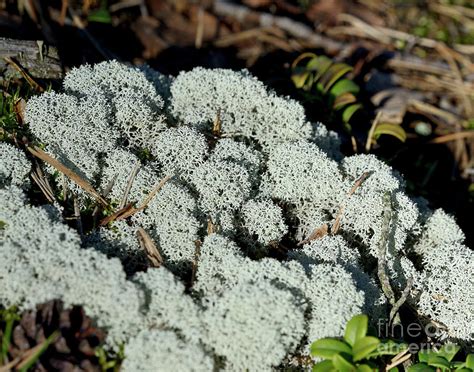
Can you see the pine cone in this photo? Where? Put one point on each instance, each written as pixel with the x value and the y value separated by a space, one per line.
pixel 74 347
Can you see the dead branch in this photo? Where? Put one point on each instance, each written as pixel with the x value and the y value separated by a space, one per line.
pixel 36 58
pixel 295 29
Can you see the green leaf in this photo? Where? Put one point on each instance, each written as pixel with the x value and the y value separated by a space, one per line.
pixel 470 361
pixel 344 86
pixel 324 366
pixel 364 368
pixel 364 346
pixel 356 328
pixel 463 369
pixel 438 361
pixel 424 356
pixel 388 347
pixel 448 351
pixel 394 130
pixel 342 364
pixel 328 347
pixel 343 100
pixel 421 367
pixel 299 77
pixel 350 111
pixel 320 65
pixel 333 74
pixel 100 16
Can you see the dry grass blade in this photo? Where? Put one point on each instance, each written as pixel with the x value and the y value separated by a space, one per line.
pixel 77 216
pixel 197 254
pixel 41 181
pixel 114 216
pixel 399 359
pixel 217 126
pixel 9 366
pixel 211 227
pixel 25 74
pixel 106 192
pixel 40 154
pixel 150 248
pixel 370 135
pixel 447 54
pixel 29 357
pixel 134 173
pixel 148 199
pixel 453 137
pixel 317 233
pixel 337 222
pixel 199 29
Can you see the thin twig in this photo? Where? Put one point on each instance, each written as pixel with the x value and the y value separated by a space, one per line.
pixel 115 216
pixel 217 126
pixel 337 222
pixel 402 357
pixel 317 233
pixel 368 144
pixel 36 151
pixel 295 29
pixel 25 74
pixel 38 176
pixel 134 173
pixel 150 248
pixel 129 210
pixel 199 29
pixel 77 216
pixel 197 254
pixel 382 251
pixel 401 300
pixel 98 207
pixel 452 137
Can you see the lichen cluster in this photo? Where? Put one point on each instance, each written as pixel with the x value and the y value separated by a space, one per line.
pixel 251 177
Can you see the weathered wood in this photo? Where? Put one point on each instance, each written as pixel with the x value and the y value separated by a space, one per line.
pixel 36 58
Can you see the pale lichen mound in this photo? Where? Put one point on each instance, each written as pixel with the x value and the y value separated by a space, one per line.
pixel 236 291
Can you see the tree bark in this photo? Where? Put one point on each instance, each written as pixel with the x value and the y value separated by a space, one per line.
pixel 34 57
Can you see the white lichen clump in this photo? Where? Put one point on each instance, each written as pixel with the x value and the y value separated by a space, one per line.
pixel 14 166
pixel 236 198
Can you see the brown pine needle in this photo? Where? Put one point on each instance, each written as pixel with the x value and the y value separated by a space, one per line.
pixel 134 173
pixel 211 227
pixel 317 233
pixel 114 216
pixel 38 176
pixel 148 199
pixel 150 248
pixel 217 126
pixel 25 74
pixel 197 254
pixel 337 223
pixel 36 151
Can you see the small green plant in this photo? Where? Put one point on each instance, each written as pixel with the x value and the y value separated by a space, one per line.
pixel 107 362
pixel 320 76
pixel 326 82
pixel 442 360
pixel 356 352
pixel 8 317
